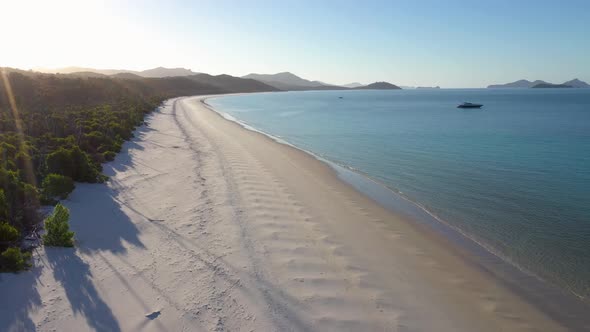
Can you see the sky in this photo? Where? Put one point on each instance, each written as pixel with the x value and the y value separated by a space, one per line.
pixel 413 43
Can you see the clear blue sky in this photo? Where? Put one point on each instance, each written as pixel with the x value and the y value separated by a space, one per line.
pixel 446 43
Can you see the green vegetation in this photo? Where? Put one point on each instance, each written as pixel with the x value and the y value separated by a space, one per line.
pixel 20 198
pixel 59 129
pixel 14 260
pixel 3 206
pixel 8 234
pixel 56 186
pixel 109 156
pixel 55 129
pixel 58 228
pixel 73 163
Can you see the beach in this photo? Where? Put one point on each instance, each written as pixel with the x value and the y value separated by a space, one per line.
pixel 205 225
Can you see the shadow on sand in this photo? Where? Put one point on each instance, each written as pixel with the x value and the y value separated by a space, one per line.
pixel 97 215
pixel 99 220
pixel 76 279
pixel 100 224
pixel 19 296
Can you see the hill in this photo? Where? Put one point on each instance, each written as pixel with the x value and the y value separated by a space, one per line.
pixel 352 85
pixel 166 72
pixel 516 84
pixel 227 82
pixel 85 74
pixel 73 69
pixel 48 90
pixel 284 78
pixel 128 76
pixel 379 86
pixel 290 82
pixel 549 85
pixel 67 125
pixel 155 72
pixel 575 83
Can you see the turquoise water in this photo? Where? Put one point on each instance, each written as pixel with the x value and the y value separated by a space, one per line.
pixel 514 175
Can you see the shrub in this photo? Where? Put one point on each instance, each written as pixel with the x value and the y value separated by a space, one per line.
pixel 117 144
pixel 14 260
pixel 102 178
pixel 58 228
pixel 74 163
pixel 23 160
pixel 3 206
pixel 22 199
pixel 55 185
pixel 93 140
pixel 109 155
pixel 29 205
pixel 8 233
pixel 7 152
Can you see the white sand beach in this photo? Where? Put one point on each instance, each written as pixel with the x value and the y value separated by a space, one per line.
pixel 207 226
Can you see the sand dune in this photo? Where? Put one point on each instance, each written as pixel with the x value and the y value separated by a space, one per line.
pixel 206 226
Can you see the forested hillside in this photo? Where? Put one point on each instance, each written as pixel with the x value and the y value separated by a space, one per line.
pixel 56 129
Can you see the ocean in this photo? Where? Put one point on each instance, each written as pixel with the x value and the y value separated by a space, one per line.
pixel 513 176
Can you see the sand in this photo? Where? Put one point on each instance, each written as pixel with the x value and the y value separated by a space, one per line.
pixel 207 226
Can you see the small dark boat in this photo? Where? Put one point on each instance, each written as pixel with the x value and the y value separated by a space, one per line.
pixel 340 97
pixel 469 105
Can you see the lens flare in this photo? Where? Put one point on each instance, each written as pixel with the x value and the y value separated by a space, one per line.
pixel 29 174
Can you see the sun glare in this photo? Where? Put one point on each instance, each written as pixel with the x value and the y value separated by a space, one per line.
pixel 29 172
pixel 63 33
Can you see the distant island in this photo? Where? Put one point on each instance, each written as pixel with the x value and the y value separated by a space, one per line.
pixel 575 83
pixel 407 87
pixel 352 85
pixel 549 85
pixel 379 86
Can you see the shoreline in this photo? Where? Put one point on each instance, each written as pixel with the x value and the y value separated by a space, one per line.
pixel 205 225
pixel 353 176
pixel 472 250
pixel 385 195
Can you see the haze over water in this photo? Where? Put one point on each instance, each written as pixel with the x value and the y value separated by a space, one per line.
pixel 514 175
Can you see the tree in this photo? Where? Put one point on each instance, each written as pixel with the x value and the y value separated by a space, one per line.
pixel 73 163
pixel 58 228
pixel 3 206
pixel 13 260
pixel 21 198
pixel 23 160
pixel 7 153
pixel 55 185
pixel 69 127
pixel 8 234
pixel 109 155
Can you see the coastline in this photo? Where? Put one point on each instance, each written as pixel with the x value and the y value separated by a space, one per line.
pixel 205 225
pixel 562 304
pixel 399 204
